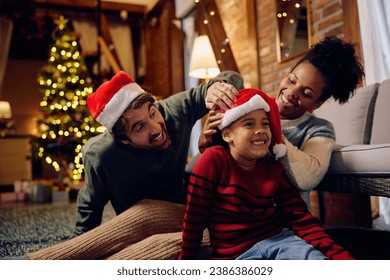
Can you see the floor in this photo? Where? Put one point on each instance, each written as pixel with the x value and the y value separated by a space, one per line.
pixel 26 227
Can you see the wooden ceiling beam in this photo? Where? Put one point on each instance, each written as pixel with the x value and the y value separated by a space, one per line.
pixel 92 5
pixel 211 23
pixel 112 57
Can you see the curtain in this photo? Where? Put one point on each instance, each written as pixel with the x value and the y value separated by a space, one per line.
pixel 375 34
pixel 189 38
pixel 6 27
pixel 121 37
pixel 86 28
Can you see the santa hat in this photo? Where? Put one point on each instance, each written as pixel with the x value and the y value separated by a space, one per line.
pixel 111 99
pixel 249 100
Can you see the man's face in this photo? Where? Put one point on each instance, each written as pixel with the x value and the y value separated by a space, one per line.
pixel 147 128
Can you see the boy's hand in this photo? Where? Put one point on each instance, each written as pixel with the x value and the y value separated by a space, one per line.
pixel 214 119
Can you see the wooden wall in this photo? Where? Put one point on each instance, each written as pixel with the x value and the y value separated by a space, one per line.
pixel 164 49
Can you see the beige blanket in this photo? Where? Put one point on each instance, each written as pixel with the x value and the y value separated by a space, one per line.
pixel 150 230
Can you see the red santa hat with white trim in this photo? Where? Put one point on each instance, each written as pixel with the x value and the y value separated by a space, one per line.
pixel 111 99
pixel 249 100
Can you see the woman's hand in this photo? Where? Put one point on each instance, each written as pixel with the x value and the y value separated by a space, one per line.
pixel 214 119
pixel 220 95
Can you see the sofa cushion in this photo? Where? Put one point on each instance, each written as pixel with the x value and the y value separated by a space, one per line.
pixel 352 121
pixel 381 126
pixel 361 160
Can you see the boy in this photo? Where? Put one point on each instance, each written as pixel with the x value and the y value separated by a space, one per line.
pixel 240 193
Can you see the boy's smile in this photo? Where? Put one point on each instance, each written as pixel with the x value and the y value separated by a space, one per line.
pixel 249 138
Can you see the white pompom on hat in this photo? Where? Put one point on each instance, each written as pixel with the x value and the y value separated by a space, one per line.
pixel 249 100
pixel 112 98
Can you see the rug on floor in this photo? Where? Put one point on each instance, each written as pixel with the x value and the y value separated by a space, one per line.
pixel 36 226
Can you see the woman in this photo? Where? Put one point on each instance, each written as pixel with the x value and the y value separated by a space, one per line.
pixel 330 68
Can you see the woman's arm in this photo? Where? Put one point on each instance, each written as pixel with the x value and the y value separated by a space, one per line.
pixel 306 167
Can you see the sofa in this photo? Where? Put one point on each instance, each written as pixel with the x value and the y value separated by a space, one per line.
pixel 360 162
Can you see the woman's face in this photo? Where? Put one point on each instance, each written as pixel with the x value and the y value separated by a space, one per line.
pixel 300 91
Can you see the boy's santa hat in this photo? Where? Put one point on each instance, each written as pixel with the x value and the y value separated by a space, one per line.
pixel 249 100
pixel 111 99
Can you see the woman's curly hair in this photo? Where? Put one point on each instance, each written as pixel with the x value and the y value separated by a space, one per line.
pixel 339 65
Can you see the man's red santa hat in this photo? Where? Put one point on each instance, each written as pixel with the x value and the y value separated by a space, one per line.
pixel 111 99
pixel 249 100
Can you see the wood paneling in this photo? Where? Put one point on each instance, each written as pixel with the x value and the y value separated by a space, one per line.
pixel 207 10
pixel 164 50
pixel 351 24
pixel 92 5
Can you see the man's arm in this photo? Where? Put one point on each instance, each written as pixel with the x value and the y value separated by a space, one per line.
pixel 192 103
pixel 90 202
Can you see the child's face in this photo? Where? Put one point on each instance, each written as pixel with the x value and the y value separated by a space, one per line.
pixel 249 138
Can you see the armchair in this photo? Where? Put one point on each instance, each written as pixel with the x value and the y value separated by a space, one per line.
pixel 360 164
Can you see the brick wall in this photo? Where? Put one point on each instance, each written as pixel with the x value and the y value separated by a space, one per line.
pixel 326 18
pixel 164 41
pixel 159 77
pixel 234 16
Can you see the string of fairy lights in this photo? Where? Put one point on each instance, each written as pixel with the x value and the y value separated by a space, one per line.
pixel 287 11
pixel 211 13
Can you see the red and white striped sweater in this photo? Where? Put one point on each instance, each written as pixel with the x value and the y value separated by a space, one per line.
pixel 241 208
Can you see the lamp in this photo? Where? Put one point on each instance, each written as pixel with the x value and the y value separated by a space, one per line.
pixel 203 64
pixel 5 117
pixel 5 110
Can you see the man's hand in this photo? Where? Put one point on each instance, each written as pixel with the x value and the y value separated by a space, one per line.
pixel 214 119
pixel 220 95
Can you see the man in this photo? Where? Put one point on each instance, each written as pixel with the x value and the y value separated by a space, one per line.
pixel 144 150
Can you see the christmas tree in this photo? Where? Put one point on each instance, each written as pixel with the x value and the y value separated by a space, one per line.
pixel 65 124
